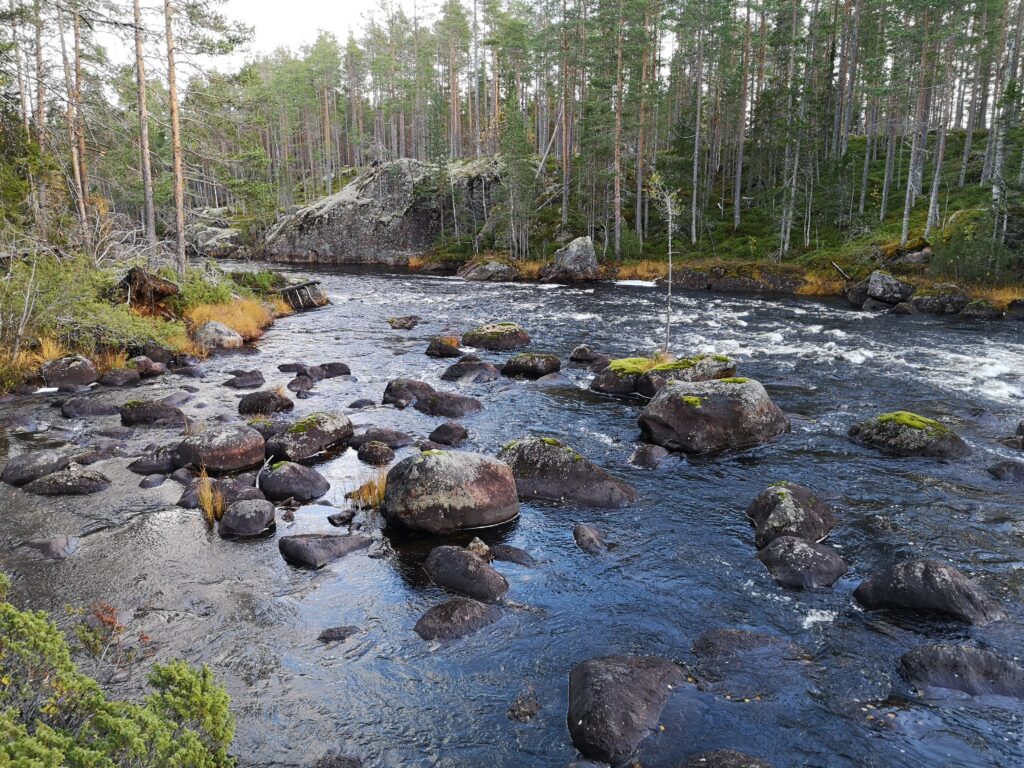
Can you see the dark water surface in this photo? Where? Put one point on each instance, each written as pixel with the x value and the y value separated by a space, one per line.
pixel 685 560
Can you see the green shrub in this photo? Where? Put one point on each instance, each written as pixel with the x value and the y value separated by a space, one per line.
pixel 52 715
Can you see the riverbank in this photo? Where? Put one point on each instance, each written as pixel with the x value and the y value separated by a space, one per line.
pixel 55 308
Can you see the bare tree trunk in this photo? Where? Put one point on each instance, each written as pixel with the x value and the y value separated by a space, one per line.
pixel 566 145
pixel 638 215
pixel 69 119
pixel 972 109
pixel 143 110
pixel 890 156
pixel 695 180
pixel 917 151
pixel 179 173
pixel 741 130
pixel 40 119
pixel 940 152
pixel 617 151
pixel 83 168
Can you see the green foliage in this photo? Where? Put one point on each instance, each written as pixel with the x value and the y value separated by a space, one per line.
pixel 263 282
pixel 966 250
pixel 52 715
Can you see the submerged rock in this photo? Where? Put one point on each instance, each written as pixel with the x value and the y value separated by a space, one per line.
pixel 794 562
pixel 448 404
pixel 509 554
pixel 525 707
pixel 459 570
pixel 69 482
pixel 788 509
pixel 1008 469
pixel 337 634
pixel 148 413
pixel 69 373
pixel 404 323
pixel 247 519
pixel 724 758
pixel 265 401
pixel 964 668
pixel 375 453
pixel 310 436
pixel 85 407
pixel 928 586
pixel 455 618
pixel 711 416
pixel 545 468
pixel 26 467
pixel 441 346
pixel 288 480
pixel 56 547
pixel 531 365
pixel 402 393
pixel 315 550
pixel 245 380
pixel 445 491
pixel 221 449
pixel 647 456
pixel 450 433
pixel 497 337
pixel 576 262
pixel 902 433
pixel 470 369
pixel 615 701
pixel 589 539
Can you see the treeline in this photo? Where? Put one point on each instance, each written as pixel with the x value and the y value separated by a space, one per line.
pixel 777 120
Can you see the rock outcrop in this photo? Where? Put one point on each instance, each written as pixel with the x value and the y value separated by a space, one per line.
pixel 387 213
pixel 576 262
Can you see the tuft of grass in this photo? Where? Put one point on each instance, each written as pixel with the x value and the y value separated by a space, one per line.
pixel 111 359
pixel 417 263
pixel 998 296
pixel 451 341
pixel 281 307
pixel 247 317
pixel 530 269
pixel 370 495
pixel 645 269
pixel 211 499
pixel 821 284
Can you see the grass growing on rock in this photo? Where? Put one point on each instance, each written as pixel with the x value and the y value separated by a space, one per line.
pixel 247 317
pixel 370 495
pixel 211 499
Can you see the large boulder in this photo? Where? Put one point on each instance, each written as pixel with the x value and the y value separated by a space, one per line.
pixel 711 416
pixel 447 404
pixel 150 413
pixel 547 469
pixel 215 335
pixel 445 491
pixel 497 337
pixel 980 309
pixel 928 586
pixel 456 618
pixel 310 436
pixel 470 369
pixel 442 346
pixel 69 373
pixel 801 564
pixel 575 262
pixel 229 448
pixel 389 212
pixel 902 433
pixel 615 701
pixel 1015 310
pixel 121 377
pixel 964 668
pixel 315 550
pixel 230 490
pixel 530 365
pixel 884 287
pixel 266 401
pixel 450 433
pixel 488 271
pixel 26 467
pixel 788 509
pixel 288 480
pixel 459 570
pixel 247 519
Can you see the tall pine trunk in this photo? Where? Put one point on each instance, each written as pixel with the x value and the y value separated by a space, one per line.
pixel 179 171
pixel 149 210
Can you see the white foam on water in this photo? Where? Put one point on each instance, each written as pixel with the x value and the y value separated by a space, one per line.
pixel 46 390
pixel 857 356
pixel 638 283
pixel 818 616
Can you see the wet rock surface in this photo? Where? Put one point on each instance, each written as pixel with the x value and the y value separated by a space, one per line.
pixel 459 570
pixel 902 433
pixel 455 618
pixel 964 668
pixel 315 550
pixel 545 468
pixel 788 509
pixel 310 436
pixel 221 449
pixel 497 337
pixel 801 564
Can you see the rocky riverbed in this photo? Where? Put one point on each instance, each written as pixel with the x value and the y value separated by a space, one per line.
pixel 625 589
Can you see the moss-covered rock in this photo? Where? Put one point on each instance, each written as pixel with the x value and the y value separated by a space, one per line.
pixel 497 337
pixel 545 468
pixel 312 435
pixel 902 433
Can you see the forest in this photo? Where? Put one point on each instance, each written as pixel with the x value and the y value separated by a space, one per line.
pixel 805 130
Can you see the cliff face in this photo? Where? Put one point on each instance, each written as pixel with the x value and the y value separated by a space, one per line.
pixel 389 212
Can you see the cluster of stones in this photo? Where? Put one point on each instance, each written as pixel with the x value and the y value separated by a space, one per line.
pixel 882 292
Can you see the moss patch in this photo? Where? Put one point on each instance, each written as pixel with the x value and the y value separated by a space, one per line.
pixel 692 402
pixel 912 420
pixel 735 380
pixel 304 425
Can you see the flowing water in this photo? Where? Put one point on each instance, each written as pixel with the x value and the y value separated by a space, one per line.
pixel 684 560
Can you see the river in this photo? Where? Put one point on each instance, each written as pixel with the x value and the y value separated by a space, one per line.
pixel 684 560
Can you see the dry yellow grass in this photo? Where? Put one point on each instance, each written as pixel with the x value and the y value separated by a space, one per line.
pixel 998 296
pixel 417 262
pixel 110 359
pixel 452 341
pixel 370 495
pixel 817 284
pixel 281 307
pixel 530 269
pixel 646 269
pixel 211 499
pixel 247 317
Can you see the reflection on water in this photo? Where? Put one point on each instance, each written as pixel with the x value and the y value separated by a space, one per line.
pixel 684 560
